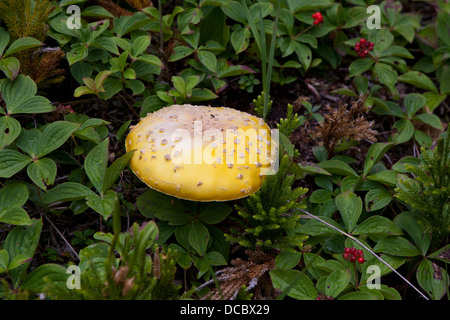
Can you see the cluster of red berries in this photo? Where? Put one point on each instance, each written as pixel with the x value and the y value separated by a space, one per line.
pixel 318 18
pixel 65 109
pixel 352 255
pixel 363 47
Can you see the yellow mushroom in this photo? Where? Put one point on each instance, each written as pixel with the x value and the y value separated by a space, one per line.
pixel 202 153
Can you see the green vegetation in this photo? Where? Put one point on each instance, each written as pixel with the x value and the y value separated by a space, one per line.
pixel 362 115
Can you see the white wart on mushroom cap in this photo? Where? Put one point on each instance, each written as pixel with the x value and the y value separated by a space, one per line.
pixel 201 153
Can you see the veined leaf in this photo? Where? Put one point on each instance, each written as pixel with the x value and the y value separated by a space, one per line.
pixel 42 172
pixel 22 44
pixel 113 172
pixel 54 136
pixel 350 206
pixel 12 162
pixel 67 191
pixel 96 163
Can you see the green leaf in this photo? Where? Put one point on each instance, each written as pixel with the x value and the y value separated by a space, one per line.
pixel 430 119
pixel 375 153
pixel 442 254
pixel 433 279
pixel 314 227
pixel 140 44
pixel 136 86
pixel 350 206
pixel 434 100
pixel 19 260
pixel 212 213
pixel 10 66
pixel 312 168
pixel 113 172
pixel 359 66
pixel 4 40
pixel 377 225
pixel 418 79
pixel 13 195
pixel 383 39
pixel 304 54
pixel 150 59
pixel 386 74
pixel 337 167
pixel 96 12
pixel 28 141
pixel 4 260
pixel 414 102
pixel 293 283
pixel 386 177
pixel 103 204
pixel 16 216
pixel 22 240
pixel 406 129
pixel 82 90
pixel 208 59
pixel 215 258
pixel 235 11
pixel 336 282
pixel 96 163
pixel 377 199
pixel 67 191
pixel 443 26
pixel 100 79
pixel 77 53
pixel 54 136
pixel 151 201
pixel 180 52
pixel 9 131
pixel 396 246
pixel 286 260
pixel 240 39
pixel 44 275
pixel 19 96
pixel 191 82
pixel 12 162
pixel 22 44
pixel 37 104
pixel 412 224
pixel 42 172
pixel 320 196
pixel 423 139
pixel 202 94
pixel 398 52
pixel 198 237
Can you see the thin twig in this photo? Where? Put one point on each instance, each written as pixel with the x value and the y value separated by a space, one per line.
pixel 363 245
pixel 61 235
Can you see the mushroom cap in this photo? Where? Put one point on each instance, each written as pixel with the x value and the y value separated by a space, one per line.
pixel 201 153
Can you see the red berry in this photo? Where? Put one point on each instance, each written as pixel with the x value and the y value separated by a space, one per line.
pixel 362 41
pixel 316 22
pixel 345 256
pixel 361 260
pixel 360 253
pixel 315 15
pixel 347 250
pixel 352 250
pixel 365 52
pixel 352 259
